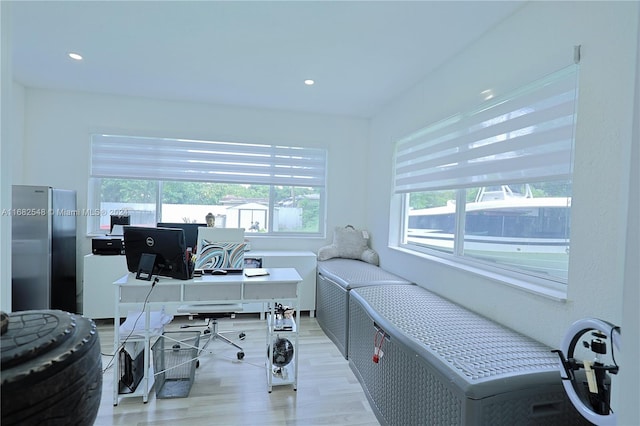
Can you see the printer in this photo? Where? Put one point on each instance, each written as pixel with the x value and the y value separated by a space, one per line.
pixel 108 245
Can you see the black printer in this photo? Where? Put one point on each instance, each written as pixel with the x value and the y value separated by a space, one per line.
pixel 107 245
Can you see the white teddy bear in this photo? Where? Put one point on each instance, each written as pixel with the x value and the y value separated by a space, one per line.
pixel 349 243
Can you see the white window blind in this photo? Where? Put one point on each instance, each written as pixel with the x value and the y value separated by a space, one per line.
pixel 205 161
pixel 525 136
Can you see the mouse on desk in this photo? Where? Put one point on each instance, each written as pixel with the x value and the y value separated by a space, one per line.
pixel 218 272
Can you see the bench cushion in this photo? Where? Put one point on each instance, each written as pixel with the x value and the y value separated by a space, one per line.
pixel 351 273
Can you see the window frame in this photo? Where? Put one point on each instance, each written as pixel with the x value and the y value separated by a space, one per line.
pixel 315 165
pixel 553 287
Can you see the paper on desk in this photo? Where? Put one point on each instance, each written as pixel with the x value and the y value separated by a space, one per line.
pixel 255 272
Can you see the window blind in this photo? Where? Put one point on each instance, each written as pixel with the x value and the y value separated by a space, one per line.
pixel 525 136
pixel 114 156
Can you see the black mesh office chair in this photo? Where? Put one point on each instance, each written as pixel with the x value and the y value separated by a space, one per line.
pixel 211 314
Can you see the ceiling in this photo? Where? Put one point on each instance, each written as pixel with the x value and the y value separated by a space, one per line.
pixel 361 54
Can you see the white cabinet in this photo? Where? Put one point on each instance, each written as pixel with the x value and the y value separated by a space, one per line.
pixel 100 271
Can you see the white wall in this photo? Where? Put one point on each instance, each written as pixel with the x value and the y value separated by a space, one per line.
pixel 12 127
pixel 536 40
pixel 6 82
pixel 631 293
pixel 59 123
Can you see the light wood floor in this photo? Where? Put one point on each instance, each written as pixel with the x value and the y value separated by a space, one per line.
pixel 231 392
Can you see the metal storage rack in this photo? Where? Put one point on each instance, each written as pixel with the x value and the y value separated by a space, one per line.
pixel 286 374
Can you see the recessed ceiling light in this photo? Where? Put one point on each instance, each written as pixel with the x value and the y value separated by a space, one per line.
pixel 75 56
pixel 309 82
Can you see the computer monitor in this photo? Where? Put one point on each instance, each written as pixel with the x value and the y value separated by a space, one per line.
pixel 190 232
pixel 221 248
pixel 156 251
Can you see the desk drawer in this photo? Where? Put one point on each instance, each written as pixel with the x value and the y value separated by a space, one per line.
pixel 221 291
pixel 267 290
pixel 159 293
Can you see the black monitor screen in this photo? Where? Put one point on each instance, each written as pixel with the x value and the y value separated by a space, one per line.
pixel 166 244
pixel 190 232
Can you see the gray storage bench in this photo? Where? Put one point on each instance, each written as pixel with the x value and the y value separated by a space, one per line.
pixel 442 364
pixel 336 277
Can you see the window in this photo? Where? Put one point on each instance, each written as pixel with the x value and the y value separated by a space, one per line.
pixel 493 186
pixel 266 189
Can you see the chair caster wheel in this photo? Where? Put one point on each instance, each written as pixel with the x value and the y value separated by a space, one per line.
pixel 240 355
pixel 206 332
pixel 242 336
pixel 197 363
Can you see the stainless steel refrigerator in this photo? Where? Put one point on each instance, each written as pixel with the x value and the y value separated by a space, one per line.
pixel 43 249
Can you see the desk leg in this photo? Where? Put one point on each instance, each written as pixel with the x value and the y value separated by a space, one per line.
pixel 296 345
pixel 147 357
pixel 116 354
pixel 269 362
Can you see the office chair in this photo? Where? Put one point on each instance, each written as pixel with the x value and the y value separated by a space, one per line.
pixel 211 313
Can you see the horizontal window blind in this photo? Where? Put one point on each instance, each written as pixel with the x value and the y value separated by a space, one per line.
pixel 525 136
pixel 131 157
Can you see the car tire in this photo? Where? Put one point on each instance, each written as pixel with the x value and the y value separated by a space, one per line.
pixel 51 369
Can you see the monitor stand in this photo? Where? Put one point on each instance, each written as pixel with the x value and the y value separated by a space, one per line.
pixel 145 267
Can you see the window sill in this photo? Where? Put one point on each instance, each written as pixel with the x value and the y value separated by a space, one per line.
pixel 538 286
pixel 248 236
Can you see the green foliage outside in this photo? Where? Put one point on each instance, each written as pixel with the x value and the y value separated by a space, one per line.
pixel 143 191
pixel 310 215
pixel 206 193
pixel 128 191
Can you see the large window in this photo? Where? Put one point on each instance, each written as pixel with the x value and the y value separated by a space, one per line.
pixel 492 187
pixel 266 189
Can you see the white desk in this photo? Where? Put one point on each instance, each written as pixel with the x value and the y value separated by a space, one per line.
pixel 281 285
pixel 100 271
